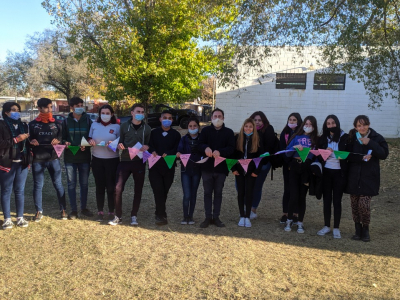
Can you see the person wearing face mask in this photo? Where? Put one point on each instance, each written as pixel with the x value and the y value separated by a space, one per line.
pixel 76 126
pixel 133 131
pixel 191 174
pixel 334 173
pixel 215 141
pixel 290 128
pixel 364 172
pixel 164 141
pixel 44 133
pixel 299 174
pixel 104 160
pixel 248 146
pixel 14 161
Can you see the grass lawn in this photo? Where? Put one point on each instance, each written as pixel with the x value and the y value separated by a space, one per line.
pixel 84 259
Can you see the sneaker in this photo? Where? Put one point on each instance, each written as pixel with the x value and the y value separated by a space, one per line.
pixel 184 221
pixel 190 222
pixel 8 224
pixel 218 222
pixel 283 219
pixel 324 230
pixel 288 226
pixel 300 227
pixel 63 215
pixel 87 213
pixel 241 222
pixel 73 215
pixel 253 215
pixel 206 223
pixel 336 233
pixel 99 217
pixel 247 223
pixel 161 221
pixel 115 221
pixel 295 220
pixel 134 221
pixel 21 222
pixel 38 216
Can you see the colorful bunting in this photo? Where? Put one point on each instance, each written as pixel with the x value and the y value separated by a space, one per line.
pixel 113 145
pixel 74 149
pixel 146 156
pixel 257 161
pixel 152 160
pixel 102 143
pixel 218 160
pixel 138 146
pixel 59 149
pixel 315 152
pixel 230 163
pixel 265 154
pixel 325 153
pixel 202 161
pixel 170 159
pixel 84 142
pixel 133 152
pixel 245 164
pixel 184 159
pixel 341 154
pixel 303 153
pixel 283 151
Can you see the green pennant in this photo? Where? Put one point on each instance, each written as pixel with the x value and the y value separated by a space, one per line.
pixel 265 154
pixel 74 149
pixel 230 163
pixel 303 153
pixel 341 154
pixel 170 159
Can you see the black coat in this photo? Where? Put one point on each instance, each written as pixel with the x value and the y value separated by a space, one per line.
pixel 240 155
pixel 364 177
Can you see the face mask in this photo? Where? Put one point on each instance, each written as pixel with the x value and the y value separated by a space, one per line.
pixel 217 122
pixel 260 127
pixel 193 131
pixel 248 134
pixel 166 123
pixel 79 110
pixel 139 117
pixel 15 115
pixel 292 126
pixel 308 129
pixel 105 118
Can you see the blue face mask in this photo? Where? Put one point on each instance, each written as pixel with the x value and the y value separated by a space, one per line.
pixel 79 110
pixel 248 134
pixel 193 131
pixel 139 117
pixel 166 123
pixel 15 115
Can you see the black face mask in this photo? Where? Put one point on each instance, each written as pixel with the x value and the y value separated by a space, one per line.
pixel 334 130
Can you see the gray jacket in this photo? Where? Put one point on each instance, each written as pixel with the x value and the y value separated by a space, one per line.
pixel 129 136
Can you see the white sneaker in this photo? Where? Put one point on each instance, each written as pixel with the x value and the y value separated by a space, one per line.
pixel 134 221
pixel 300 227
pixel 241 222
pixel 247 223
pixel 253 215
pixel 8 224
pixel 336 233
pixel 115 222
pixel 324 230
pixel 21 222
pixel 288 226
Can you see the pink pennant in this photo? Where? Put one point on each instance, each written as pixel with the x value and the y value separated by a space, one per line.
pixel 315 152
pixel 184 158
pixel 146 156
pixel 152 160
pixel 245 163
pixel 257 161
pixel 133 152
pixel 59 149
pixel 218 160
pixel 325 153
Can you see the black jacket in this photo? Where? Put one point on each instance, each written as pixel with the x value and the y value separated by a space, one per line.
pixel 364 177
pixel 323 144
pixel 241 155
pixel 283 143
pixel 44 133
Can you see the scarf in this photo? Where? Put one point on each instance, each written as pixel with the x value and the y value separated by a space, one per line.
pixel 45 117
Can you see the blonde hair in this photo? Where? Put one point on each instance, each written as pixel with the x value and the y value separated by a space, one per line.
pixel 255 139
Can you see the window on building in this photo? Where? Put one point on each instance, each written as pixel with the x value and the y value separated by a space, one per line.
pixel 329 81
pixel 291 81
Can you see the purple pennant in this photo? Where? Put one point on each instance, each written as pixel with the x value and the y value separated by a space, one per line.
pixel 257 161
pixel 146 156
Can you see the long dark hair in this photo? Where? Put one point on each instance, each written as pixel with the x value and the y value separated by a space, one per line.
pixel 313 135
pixel 113 118
pixel 363 119
pixel 263 117
pixel 7 108
pixel 287 129
pixel 326 131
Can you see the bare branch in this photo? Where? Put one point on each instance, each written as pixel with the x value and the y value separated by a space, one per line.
pixel 333 14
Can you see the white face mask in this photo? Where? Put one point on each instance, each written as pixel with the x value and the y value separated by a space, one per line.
pixel 105 118
pixel 308 129
pixel 217 122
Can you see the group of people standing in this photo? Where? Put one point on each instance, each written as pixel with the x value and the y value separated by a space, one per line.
pixel 22 145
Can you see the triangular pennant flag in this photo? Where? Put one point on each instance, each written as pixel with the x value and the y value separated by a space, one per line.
pixel 245 164
pixel 230 163
pixel 138 145
pixel 257 161
pixel 102 143
pixel 265 154
pixel 341 154
pixel 325 153
pixel 59 149
pixel 146 156
pixel 133 152
pixel 113 145
pixel 152 160
pixel 202 161
pixel 84 142
pixel 315 152
pixel 184 159
pixel 218 160
pixel 303 153
pixel 74 149
pixel 170 159
pixel 140 154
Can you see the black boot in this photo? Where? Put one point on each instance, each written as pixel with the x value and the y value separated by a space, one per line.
pixel 357 235
pixel 365 233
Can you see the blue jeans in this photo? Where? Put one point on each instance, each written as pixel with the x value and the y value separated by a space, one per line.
pixel 190 184
pixel 259 184
pixel 13 180
pixel 83 170
pixel 54 168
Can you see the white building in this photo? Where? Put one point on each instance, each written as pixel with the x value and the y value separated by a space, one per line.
pixel 278 103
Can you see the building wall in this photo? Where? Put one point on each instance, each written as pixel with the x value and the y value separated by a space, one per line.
pixel 277 104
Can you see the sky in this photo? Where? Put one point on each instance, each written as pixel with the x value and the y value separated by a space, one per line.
pixel 18 19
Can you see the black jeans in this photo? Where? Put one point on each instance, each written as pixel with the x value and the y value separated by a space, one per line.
pixel 333 188
pixel 298 191
pixel 125 169
pixel 104 172
pixel 286 189
pixel 213 183
pixel 161 183
pixel 245 187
